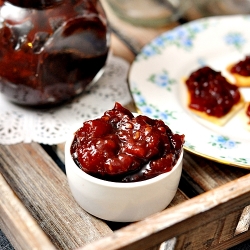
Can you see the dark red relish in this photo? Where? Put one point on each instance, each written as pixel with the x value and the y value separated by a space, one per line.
pixel 117 146
pixel 242 67
pixel 210 92
pixel 50 50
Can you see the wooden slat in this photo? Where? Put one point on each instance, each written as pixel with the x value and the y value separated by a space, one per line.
pixel 197 212
pixel 201 238
pixel 43 189
pixel 211 234
pixel 19 226
pixel 232 242
pixel 207 174
pixel 211 244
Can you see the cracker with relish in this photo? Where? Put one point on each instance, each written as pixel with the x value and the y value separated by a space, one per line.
pixel 247 115
pixel 212 97
pixel 241 72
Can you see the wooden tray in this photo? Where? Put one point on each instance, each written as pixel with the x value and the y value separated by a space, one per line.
pixel 37 211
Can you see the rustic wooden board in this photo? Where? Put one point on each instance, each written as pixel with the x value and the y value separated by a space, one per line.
pixel 20 227
pixel 207 175
pixel 204 175
pixel 195 213
pixel 43 189
pixel 35 197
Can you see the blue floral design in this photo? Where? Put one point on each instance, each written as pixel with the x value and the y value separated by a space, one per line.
pixel 182 37
pixel 149 51
pixel 223 142
pixel 155 113
pixel 162 80
pixel 149 109
pixel 238 160
pixel 138 98
pixel 235 39
pixel 188 145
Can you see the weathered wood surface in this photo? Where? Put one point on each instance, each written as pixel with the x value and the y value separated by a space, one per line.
pixel 206 175
pixel 207 208
pixel 43 189
pixel 20 227
pixel 206 212
pixel 203 175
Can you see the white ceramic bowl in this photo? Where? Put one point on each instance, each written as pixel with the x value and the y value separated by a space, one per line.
pixel 121 202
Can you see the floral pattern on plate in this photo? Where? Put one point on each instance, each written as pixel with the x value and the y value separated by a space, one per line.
pixel 181 37
pixel 162 79
pixel 235 39
pixel 158 89
pixel 151 110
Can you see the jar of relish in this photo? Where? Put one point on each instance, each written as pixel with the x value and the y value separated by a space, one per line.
pixel 50 50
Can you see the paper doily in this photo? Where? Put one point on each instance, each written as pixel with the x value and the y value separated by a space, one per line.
pixel 53 126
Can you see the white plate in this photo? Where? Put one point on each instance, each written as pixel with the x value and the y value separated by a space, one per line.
pixel 158 90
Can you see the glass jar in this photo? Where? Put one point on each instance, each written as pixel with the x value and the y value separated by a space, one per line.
pixel 50 50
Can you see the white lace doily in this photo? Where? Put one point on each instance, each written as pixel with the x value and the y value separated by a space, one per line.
pixel 52 126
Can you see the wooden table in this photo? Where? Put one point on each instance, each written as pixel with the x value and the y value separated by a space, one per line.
pixel 37 211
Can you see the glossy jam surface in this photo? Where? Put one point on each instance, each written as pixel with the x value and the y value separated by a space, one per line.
pixel 211 93
pixel 242 67
pixel 117 146
pixel 50 50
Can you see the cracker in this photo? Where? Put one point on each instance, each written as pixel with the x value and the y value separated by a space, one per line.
pixel 246 118
pixel 240 81
pixel 220 121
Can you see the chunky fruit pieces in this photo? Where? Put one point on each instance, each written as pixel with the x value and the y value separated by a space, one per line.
pixel 118 146
pixel 211 93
